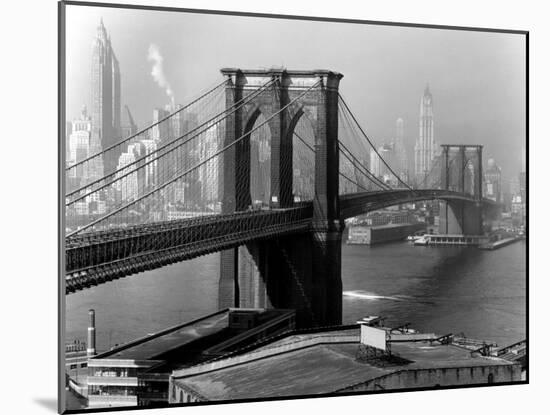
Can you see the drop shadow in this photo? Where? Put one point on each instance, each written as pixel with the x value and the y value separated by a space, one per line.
pixel 48 403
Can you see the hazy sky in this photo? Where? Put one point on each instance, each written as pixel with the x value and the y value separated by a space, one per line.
pixel 477 79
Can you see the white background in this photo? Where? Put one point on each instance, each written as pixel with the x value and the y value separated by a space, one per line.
pixel 28 163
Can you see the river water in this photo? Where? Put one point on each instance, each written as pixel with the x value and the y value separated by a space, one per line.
pixel 437 289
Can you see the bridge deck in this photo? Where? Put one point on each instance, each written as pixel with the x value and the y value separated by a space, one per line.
pixel 96 257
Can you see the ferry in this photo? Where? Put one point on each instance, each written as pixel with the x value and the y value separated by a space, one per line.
pixel 422 240
pixel 417 235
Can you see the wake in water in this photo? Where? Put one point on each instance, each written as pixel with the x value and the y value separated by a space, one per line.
pixel 365 295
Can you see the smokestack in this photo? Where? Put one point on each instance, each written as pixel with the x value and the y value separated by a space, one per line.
pixel 90 350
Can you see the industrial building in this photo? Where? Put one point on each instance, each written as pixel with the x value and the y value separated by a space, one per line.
pixel 137 373
pixel 344 359
pixel 371 235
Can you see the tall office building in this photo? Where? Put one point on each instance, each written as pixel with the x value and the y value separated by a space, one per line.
pixel 80 147
pixel 425 149
pixel 68 132
pixel 378 168
pixel 128 179
pixel 129 126
pixel 374 163
pixel 161 131
pixel 161 134
pixel 260 165
pixel 493 181
pixel 209 171
pixel 402 165
pixel 348 178
pixel 106 113
pixel 187 122
pixel 79 138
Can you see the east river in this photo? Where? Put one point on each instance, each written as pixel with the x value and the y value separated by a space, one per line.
pixel 437 289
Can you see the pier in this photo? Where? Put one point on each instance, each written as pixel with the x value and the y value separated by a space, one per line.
pixel 468 240
pixel 501 243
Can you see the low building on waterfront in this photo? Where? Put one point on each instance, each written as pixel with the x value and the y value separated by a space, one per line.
pixel 342 360
pixel 75 355
pixel 370 235
pixel 137 373
pixel 394 215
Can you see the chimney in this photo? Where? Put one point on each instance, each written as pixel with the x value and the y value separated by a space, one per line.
pixel 91 334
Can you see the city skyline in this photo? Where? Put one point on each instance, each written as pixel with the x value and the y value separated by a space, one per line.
pixel 467 93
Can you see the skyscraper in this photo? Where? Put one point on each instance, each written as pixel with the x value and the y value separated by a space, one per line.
pixel 78 149
pixel 128 127
pixel 424 149
pixel 399 147
pixel 105 99
pixel 79 139
pixel 210 170
pixel 378 168
pixel 493 181
pixel 128 180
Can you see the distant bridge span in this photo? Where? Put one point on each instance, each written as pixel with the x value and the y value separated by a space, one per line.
pixel 356 204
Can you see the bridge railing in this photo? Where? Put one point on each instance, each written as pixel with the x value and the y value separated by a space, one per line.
pixel 93 261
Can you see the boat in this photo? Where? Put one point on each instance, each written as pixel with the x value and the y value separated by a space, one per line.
pixel 373 321
pixel 417 235
pixel 423 240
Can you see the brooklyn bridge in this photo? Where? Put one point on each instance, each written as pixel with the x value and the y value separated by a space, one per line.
pixel 278 229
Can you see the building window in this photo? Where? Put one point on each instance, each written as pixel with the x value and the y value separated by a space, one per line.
pixel 181 396
pixel 491 378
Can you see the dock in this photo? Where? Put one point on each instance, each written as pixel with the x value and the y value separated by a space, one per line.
pixel 461 240
pixel 501 243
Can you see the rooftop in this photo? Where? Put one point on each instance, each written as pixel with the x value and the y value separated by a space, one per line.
pixel 386 226
pixel 315 363
pixel 154 345
pixel 193 342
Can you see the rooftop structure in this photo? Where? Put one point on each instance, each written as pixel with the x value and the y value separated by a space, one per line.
pixel 137 373
pixel 338 361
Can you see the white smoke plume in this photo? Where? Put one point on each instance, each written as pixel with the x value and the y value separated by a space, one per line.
pixel 153 55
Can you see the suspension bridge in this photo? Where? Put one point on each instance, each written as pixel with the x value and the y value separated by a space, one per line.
pixel 264 168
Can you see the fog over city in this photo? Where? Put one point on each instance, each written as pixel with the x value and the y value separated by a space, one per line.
pixel 477 79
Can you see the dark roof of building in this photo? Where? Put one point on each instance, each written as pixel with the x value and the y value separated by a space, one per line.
pixel 152 346
pixel 212 330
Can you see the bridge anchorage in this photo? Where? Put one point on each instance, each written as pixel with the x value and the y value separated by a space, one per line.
pixel 263 168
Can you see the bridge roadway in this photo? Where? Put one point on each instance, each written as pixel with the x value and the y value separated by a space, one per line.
pixel 94 258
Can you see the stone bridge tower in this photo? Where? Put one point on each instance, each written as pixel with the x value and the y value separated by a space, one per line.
pixel 462 171
pixel 303 271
